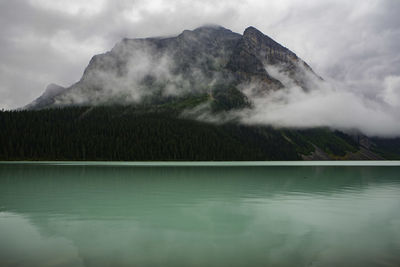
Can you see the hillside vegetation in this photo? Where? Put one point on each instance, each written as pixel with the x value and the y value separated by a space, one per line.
pixel 140 134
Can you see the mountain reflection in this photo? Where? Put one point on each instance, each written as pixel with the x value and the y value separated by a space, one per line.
pixel 198 216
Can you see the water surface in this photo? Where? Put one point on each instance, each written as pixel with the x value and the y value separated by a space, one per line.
pixel 218 214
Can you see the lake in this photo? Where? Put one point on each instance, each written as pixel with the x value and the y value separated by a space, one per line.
pixel 204 214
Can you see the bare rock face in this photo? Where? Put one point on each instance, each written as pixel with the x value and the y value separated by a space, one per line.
pixel 196 62
pixel 266 49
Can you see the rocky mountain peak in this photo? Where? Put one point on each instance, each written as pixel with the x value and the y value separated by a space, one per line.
pixel 194 62
pixel 265 47
pixel 252 33
pixel 208 33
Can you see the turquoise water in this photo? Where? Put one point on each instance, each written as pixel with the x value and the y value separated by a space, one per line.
pixel 209 214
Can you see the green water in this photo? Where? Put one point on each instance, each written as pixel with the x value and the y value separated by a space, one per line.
pixel 98 214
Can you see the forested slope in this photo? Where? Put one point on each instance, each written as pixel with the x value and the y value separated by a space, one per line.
pixel 128 133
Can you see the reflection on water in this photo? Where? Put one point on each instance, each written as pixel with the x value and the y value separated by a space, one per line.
pixel 199 216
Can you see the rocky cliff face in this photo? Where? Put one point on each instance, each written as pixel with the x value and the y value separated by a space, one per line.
pixel 209 60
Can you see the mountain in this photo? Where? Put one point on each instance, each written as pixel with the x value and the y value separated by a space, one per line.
pixel 209 60
pixel 178 98
pixel 47 98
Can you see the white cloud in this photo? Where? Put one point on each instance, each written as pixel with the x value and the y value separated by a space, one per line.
pixel 72 7
pixel 65 44
pixel 327 105
pixel 392 90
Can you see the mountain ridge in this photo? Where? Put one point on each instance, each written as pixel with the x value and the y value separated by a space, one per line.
pixel 192 62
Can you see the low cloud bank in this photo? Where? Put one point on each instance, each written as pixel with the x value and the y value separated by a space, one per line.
pixel 326 104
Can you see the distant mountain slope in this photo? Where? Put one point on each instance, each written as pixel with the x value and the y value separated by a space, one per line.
pixel 47 98
pixel 154 70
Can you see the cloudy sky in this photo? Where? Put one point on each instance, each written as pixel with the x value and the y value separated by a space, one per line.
pixel 355 43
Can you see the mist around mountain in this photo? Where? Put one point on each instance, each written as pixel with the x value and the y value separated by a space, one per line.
pixel 205 94
pixel 209 60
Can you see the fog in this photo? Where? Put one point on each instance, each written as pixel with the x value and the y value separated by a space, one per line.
pixel 327 104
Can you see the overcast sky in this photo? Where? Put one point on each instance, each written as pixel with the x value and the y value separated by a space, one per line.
pixel 354 42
